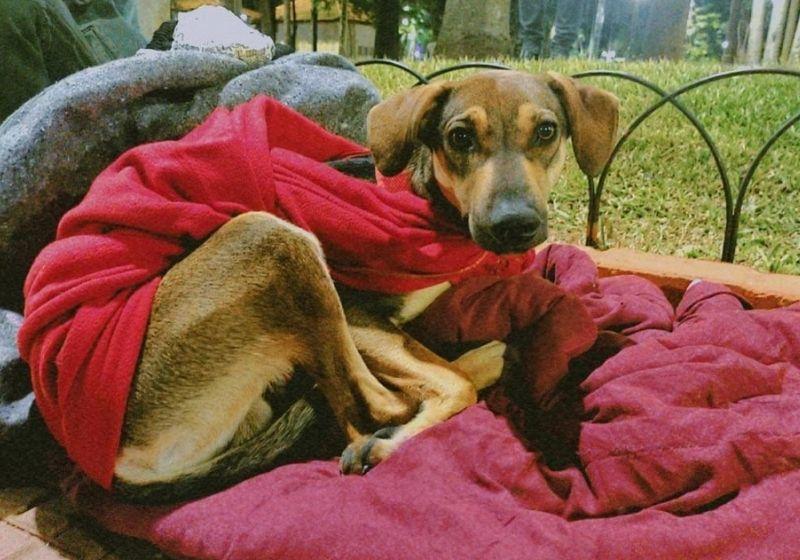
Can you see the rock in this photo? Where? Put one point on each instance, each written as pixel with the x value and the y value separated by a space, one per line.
pixel 16 397
pixel 52 147
pixel 14 381
pixel 217 30
pixel 330 60
pixel 28 453
pixel 324 87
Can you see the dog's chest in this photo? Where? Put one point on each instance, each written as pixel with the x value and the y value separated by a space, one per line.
pixel 413 304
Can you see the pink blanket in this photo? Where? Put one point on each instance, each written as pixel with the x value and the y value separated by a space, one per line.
pixel 688 447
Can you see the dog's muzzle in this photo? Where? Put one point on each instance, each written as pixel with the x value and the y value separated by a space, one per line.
pixel 510 228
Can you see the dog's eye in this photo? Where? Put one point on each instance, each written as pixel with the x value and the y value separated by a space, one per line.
pixel 461 139
pixel 546 131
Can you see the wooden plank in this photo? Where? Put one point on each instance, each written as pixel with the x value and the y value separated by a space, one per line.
pixel 673 275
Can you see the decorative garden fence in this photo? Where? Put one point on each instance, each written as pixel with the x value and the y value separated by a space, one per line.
pixel 733 203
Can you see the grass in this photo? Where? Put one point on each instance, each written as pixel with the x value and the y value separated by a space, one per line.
pixel 663 194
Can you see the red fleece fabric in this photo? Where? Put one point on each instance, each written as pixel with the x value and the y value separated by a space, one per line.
pixel 89 293
pixel 689 448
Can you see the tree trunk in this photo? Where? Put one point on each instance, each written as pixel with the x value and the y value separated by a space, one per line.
pixel 793 13
pixel 235 6
pixel 597 29
pixel 314 26
pixel 777 24
pixel 665 29
pixel 344 29
pixel 755 39
pixel 732 32
pixel 475 28
pixel 293 42
pixel 387 29
pixel 265 7
pixel 794 54
pixel 287 21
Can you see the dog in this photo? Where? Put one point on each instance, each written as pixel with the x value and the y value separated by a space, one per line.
pixel 234 322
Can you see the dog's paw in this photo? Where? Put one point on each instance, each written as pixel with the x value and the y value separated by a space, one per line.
pixel 366 452
pixel 483 365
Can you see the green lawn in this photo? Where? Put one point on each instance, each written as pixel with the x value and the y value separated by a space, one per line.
pixel 663 194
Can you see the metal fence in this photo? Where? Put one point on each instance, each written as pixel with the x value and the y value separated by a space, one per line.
pixel 733 203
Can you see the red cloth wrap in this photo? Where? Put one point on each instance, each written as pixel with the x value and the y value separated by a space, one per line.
pixel 89 293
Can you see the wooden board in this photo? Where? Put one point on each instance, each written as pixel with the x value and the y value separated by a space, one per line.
pixel 673 275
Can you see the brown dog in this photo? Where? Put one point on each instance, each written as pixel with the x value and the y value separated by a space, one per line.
pixel 234 321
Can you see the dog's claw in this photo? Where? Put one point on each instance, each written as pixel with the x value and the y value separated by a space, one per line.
pixel 358 457
pixel 347 460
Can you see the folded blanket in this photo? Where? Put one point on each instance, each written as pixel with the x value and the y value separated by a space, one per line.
pixel 89 293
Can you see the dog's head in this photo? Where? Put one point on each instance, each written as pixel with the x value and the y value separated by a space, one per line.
pixel 494 144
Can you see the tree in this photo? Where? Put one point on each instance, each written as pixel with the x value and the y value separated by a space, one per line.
pixel 475 28
pixel 791 27
pixel 777 23
pixel 345 43
pixel 664 29
pixel 287 21
pixel 267 17
pixel 434 8
pixel 597 29
pixel 706 30
pixel 735 17
pixel 386 16
pixel 755 39
pixel 794 53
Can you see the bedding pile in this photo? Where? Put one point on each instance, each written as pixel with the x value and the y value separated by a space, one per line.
pixel 632 429
pixel 688 447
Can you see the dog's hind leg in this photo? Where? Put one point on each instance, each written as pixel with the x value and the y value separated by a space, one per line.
pixel 231 322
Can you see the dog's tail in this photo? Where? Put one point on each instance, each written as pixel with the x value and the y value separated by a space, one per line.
pixel 301 433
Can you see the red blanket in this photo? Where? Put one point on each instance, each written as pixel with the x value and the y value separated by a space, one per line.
pixel 688 448
pixel 89 293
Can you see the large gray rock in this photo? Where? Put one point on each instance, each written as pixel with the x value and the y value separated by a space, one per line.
pixel 54 145
pixel 325 87
pixel 27 450
pixel 15 386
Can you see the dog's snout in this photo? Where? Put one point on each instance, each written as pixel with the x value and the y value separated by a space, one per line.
pixel 516 227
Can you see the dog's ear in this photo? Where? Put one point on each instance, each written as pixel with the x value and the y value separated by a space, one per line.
pixel 593 115
pixel 397 124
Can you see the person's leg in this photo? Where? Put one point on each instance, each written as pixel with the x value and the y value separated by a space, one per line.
pixel 107 28
pixel 568 21
pixel 41 44
pixel 531 30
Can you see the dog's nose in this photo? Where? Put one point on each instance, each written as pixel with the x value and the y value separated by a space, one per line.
pixel 517 228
